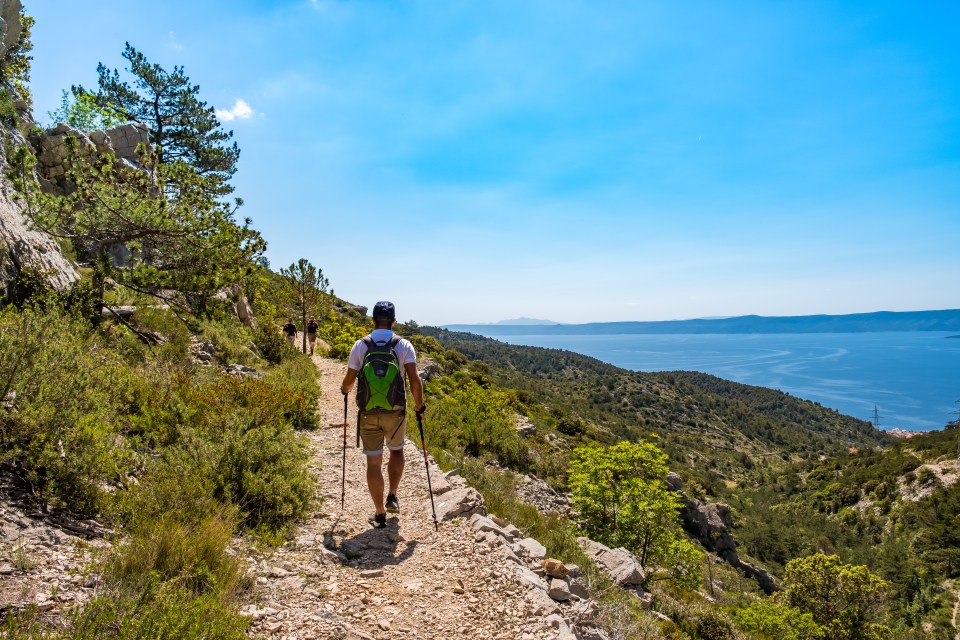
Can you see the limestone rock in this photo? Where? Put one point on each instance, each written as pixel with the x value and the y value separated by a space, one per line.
pixel 542 604
pixel 439 481
pixel 460 503
pixel 524 427
pixel 428 368
pixel 559 589
pixel 529 577
pixel 674 481
pixel 540 494
pixel 621 565
pixel 21 246
pixel 10 15
pixel 125 312
pixel 484 524
pixel 712 524
pixel 241 306
pixel 532 549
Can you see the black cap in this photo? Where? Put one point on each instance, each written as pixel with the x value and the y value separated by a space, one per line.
pixel 384 309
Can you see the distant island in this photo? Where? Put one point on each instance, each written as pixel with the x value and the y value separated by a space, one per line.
pixel 943 320
pixel 520 322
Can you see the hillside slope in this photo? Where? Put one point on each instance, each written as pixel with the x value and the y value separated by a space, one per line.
pixel 697 417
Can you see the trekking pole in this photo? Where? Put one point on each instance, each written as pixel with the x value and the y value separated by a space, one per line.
pixel 423 444
pixel 343 484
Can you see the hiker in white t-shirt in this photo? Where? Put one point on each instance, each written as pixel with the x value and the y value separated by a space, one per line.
pixel 386 422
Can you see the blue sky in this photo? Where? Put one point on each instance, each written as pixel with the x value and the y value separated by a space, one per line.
pixel 576 161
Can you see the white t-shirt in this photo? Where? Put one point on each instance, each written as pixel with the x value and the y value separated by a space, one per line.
pixel 405 351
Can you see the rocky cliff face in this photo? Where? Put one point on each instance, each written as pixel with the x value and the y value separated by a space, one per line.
pixel 9 22
pixel 52 152
pixel 712 523
pixel 21 246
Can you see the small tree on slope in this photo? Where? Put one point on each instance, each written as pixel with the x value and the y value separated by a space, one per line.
pixel 622 499
pixel 306 288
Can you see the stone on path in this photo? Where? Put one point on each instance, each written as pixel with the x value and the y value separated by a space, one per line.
pixel 532 549
pixel 459 503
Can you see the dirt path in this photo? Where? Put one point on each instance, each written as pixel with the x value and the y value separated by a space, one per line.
pixel 405 581
pixel 956 609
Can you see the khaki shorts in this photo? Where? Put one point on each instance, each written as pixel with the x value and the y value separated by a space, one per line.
pixel 379 427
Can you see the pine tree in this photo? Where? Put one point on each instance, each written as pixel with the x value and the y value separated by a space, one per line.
pixel 181 126
pixel 153 229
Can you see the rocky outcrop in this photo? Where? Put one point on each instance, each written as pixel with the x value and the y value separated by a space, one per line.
pixel 10 22
pixel 21 246
pixel 53 152
pixel 460 503
pixel 712 524
pixel 621 565
pixel 524 427
pixel 428 368
pixel 537 492
pixel 355 308
pixel 241 306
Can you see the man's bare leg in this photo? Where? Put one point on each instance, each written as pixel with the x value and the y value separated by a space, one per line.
pixel 394 470
pixel 375 480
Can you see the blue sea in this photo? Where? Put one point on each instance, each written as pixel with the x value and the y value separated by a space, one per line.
pixel 913 378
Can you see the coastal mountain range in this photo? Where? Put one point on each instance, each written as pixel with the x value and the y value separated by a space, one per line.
pixel 939 320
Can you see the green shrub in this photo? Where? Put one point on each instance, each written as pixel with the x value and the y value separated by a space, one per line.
pixel 478 421
pixel 296 378
pixel 713 624
pixel 232 341
pixel 63 434
pixel 170 580
pixel 174 332
pixel 8 111
pixel 271 344
pixel 770 620
pixel 237 435
pixel 341 336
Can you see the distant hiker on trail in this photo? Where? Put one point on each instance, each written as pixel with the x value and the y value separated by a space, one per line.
pixel 380 362
pixel 291 330
pixel 312 327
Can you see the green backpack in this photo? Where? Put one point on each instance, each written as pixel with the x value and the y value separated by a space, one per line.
pixel 380 382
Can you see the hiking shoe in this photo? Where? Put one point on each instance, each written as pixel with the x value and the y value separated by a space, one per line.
pixel 393 505
pixel 378 520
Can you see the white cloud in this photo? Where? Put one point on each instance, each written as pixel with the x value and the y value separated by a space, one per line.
pixel 240 111
pixel 174 43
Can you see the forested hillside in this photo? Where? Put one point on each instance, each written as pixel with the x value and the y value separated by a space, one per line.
pixel 698 418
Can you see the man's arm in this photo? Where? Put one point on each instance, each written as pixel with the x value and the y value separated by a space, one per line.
pixel 416 385
pixel 348 381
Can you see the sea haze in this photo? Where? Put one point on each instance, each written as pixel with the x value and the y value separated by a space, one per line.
pixel 912 377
